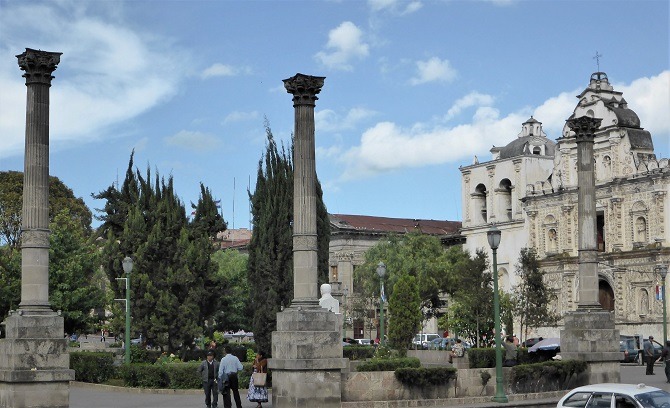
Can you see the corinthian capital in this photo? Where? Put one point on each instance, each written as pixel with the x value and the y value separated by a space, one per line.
pixel 584 127
pixel 38 65
pixel 304 88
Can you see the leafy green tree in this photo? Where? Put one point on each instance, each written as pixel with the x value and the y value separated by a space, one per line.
pixel 233 306
pixel 416 254
pixel 471 311
pixel 405 312
pixel 73 261
pixel 532 297
pixel 270 267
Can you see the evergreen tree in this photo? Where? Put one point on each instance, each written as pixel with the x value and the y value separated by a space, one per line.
pixel 404 312
pixel 270 267
pixel 532 297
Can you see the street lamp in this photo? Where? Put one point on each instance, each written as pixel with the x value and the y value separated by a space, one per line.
pixel 663 270
pixel 493 236
pixel 345 292
pixel 127 268
pixel 381 271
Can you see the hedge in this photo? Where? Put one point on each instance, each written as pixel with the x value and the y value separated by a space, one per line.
pixel 486 357
pixel 358 352
pixel 92 367
pixel 422 377
pixel 389 364
pixel 546 376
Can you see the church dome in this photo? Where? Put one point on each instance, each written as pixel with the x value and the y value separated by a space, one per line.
pixel 531 140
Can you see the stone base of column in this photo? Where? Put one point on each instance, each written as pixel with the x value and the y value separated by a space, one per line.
pixel 307 359
pixel 34 362
pixel 589 335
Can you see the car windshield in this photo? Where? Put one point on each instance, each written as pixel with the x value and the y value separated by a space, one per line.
pixel 654 399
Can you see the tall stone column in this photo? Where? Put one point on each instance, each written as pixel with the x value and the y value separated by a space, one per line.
pixel 304 89
pixel 306 358
pixel 587 295
pixel 589 332
pixel 34 363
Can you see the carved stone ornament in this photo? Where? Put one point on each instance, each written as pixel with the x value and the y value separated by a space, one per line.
pixel 584 127
pixel 304 88
pixel 304 243
pixel 35 238
pixel 38 65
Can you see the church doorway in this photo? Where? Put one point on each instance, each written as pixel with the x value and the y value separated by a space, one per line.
pixel 605 295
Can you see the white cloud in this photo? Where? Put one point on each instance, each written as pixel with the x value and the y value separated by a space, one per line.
pixel 395 6
pixel 388 146
pixel 238 116
pixel 433 70
pixel 328 120
pixel 108 74
pixel 219 70
pixel 344 44
pixel 195 141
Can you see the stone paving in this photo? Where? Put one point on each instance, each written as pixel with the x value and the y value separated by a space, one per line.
pixel 86 396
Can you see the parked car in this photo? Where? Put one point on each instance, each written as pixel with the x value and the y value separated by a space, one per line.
pixel 365 342
pixel 349 341
pixel 424 339
pixel 629 353
pixel 445 343
pixel 616 395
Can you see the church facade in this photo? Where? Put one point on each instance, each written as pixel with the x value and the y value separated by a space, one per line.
pixel 529 191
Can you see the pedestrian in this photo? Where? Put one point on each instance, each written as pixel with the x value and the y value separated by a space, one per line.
pixel 649 355
pixel 665 357
pixel 228 367
pixel 209 370
pixel 510 352
pixel 257 393
pixel 457 350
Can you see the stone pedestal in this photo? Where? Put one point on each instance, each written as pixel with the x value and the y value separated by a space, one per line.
pixel 590 336
pixel 34 363
pixel 307 359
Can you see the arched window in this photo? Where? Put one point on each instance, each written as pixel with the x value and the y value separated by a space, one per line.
pixel 537 150
pixel 479 203
pixel 504 192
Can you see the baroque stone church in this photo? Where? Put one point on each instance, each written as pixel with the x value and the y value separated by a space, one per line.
pixel 529 191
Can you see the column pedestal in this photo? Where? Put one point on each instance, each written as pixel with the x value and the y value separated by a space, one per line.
pixel 307 359
pixel 589 335
pixel 34 362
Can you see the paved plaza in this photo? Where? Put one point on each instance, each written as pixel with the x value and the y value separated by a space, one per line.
pixel 86 396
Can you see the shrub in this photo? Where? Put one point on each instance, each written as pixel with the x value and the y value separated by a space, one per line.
pixel 183 375
pixel 93 367
pixel 358 352
pixel 482 357
pixel 389 364
pixel 546 376
pixel 144 375
pixel 422 377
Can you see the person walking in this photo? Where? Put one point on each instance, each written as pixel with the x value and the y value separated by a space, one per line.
pixel 665 357
pixel 257 393
pixel 649 355
pixel 510 352
pixel 229 366
pixel 209 370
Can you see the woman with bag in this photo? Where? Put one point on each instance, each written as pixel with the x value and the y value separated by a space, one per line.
pixel 258 391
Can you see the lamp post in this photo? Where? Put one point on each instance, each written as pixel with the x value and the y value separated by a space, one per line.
pixel 381 271
pixel 493 236
pixel 127 268
pixel 663 270
pixel 345 292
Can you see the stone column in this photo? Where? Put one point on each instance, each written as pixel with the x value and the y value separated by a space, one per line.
pixel 34 363
pixel 589 332
pixel 306 358
pixel 304 89
pixel 587 295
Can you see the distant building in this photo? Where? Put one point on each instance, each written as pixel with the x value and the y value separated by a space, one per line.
pixel 529 191
pixel 238 239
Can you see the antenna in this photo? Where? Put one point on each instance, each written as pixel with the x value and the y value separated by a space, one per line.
pixel 597 58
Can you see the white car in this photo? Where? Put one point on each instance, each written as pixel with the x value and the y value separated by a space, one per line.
pixel 616 396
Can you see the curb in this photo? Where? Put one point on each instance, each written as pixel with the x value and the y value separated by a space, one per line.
pixel 131 390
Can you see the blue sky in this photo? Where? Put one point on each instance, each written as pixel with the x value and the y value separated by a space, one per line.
pixel 413 89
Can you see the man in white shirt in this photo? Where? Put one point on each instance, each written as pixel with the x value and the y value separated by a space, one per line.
pixel 229 366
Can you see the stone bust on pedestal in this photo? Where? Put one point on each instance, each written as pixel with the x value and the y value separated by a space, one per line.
pixel 327 300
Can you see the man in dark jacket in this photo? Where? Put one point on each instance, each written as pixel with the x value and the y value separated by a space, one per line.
pixel 649 355
pixel 208 370
pixel 665 357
